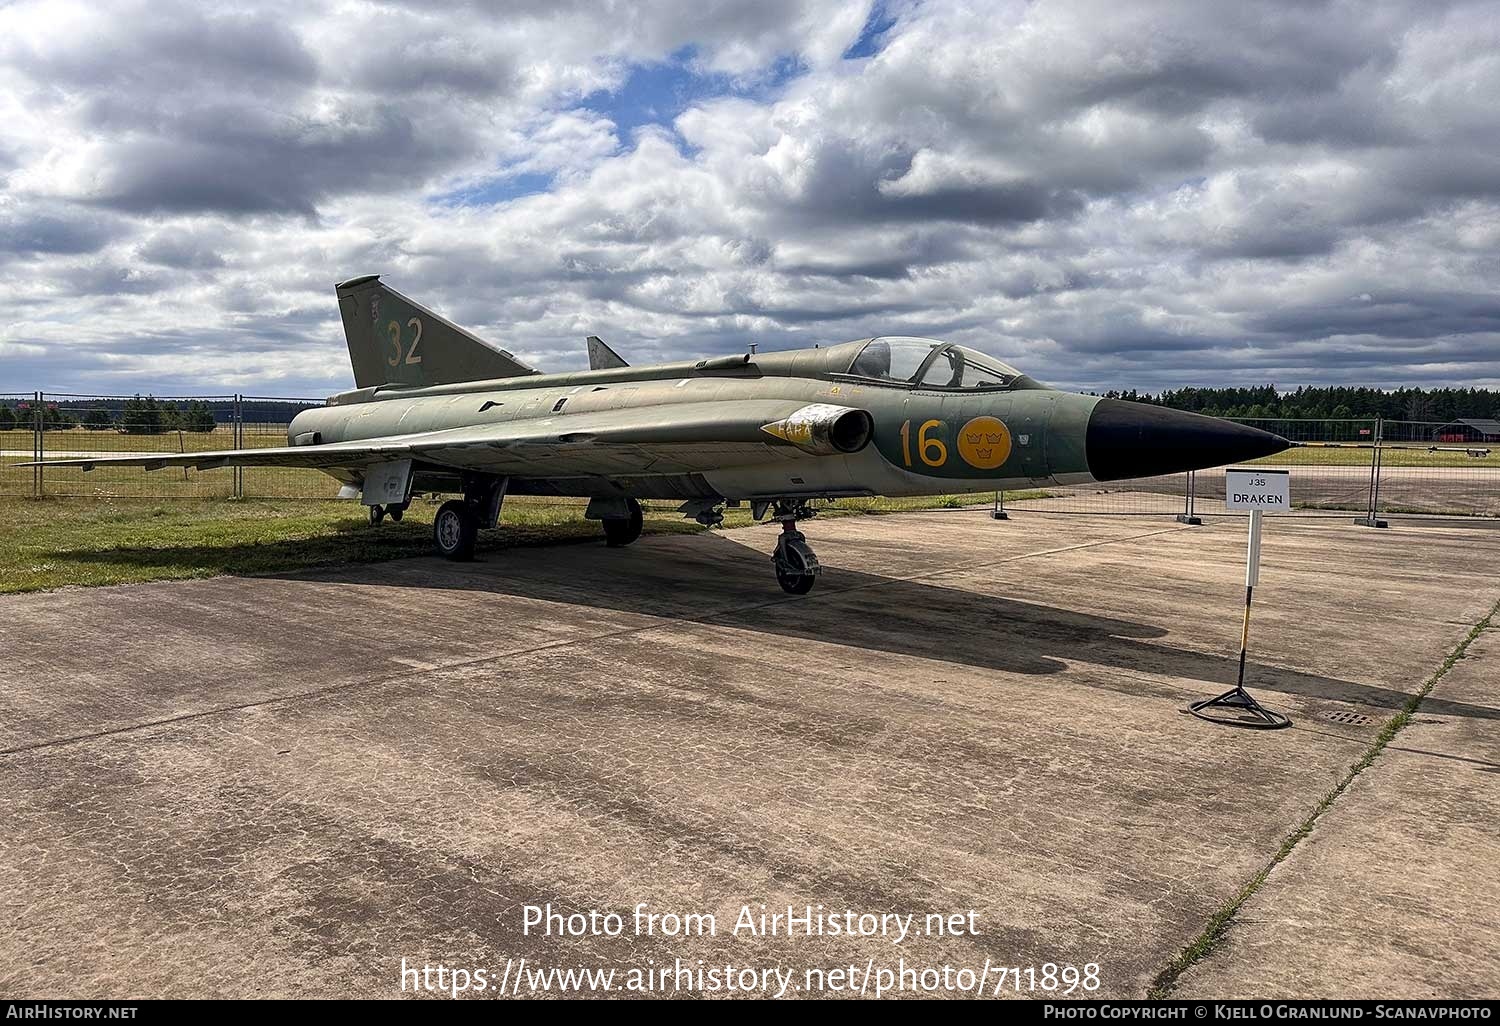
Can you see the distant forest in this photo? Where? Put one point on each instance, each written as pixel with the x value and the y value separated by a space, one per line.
pixel 1258 402
pixel 144 415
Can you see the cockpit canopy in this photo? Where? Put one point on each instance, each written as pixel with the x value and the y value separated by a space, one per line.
pixel 928 363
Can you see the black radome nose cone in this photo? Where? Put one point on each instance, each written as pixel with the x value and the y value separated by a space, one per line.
pixel 1128 439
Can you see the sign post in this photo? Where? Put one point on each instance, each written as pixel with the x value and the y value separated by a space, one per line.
pixel 1259 491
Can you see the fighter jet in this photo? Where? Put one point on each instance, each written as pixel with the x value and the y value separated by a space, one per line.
pixel 437 409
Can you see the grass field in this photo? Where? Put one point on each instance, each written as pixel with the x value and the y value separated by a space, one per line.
pixel 255 436
pixel 133 482
pixel 53 543
pixel 1389 456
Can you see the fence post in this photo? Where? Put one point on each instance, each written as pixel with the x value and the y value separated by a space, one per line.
pixel 1372 518
pixel 998 513
pixel 1189 514
pixel 38 446
pixel 237 436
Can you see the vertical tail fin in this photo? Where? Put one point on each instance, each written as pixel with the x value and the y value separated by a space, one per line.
pixel 601 357
pixel 395 341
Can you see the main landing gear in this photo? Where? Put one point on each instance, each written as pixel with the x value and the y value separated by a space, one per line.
pixel 620 516
pixel 796 565
pixel 455 529
pixel 624 530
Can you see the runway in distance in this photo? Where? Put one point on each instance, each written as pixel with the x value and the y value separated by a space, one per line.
pixel 437 409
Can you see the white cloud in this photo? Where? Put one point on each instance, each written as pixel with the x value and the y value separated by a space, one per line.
pixel 1105 194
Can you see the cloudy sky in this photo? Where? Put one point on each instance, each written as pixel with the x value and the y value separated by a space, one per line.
pixel 1108 194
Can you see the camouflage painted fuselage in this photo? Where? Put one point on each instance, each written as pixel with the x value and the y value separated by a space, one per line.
pixel 925 441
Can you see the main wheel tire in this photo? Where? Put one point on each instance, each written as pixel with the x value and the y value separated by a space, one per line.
pixel 455 529
pixel 623 532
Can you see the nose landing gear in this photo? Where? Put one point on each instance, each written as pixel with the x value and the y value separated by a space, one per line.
pixel 797 567
pixel 794 561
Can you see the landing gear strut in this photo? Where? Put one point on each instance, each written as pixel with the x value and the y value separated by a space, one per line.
pixel 796 566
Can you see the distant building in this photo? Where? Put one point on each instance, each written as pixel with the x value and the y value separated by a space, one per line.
pixel 1468 429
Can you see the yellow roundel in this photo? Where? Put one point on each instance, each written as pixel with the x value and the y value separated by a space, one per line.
pixel 984 442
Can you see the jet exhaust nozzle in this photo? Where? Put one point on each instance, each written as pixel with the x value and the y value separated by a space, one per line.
pixel 1128 439
pixel 824 429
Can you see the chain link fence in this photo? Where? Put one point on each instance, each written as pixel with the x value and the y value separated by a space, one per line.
pixel 1373 468
pixel 18 442
pixel 51 425
pixel 1370 467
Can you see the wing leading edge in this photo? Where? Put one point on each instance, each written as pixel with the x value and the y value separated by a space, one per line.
pixel 662 439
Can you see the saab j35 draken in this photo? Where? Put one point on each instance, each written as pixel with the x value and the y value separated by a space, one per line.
pixel 437 409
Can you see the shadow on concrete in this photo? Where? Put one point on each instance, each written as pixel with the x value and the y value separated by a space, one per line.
pixel 711 579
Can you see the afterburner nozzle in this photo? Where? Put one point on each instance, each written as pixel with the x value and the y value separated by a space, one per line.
pixel 1127 439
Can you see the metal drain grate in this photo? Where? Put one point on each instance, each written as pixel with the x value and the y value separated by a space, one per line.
pixel 1353 719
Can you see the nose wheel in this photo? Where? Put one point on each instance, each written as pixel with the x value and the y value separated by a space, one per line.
pixel 794 561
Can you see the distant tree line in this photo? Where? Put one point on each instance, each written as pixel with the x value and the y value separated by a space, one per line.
pixel 134 416
pixel 109 413
pixel 1267 402
pixel 149 417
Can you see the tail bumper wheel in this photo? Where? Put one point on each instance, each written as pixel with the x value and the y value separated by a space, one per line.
pixel 377 514
pixel 455 529
pixel 396 511
pixel 623 531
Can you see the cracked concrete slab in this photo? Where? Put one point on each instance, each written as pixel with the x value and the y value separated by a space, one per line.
pixel 1395 891
pixel 286 785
